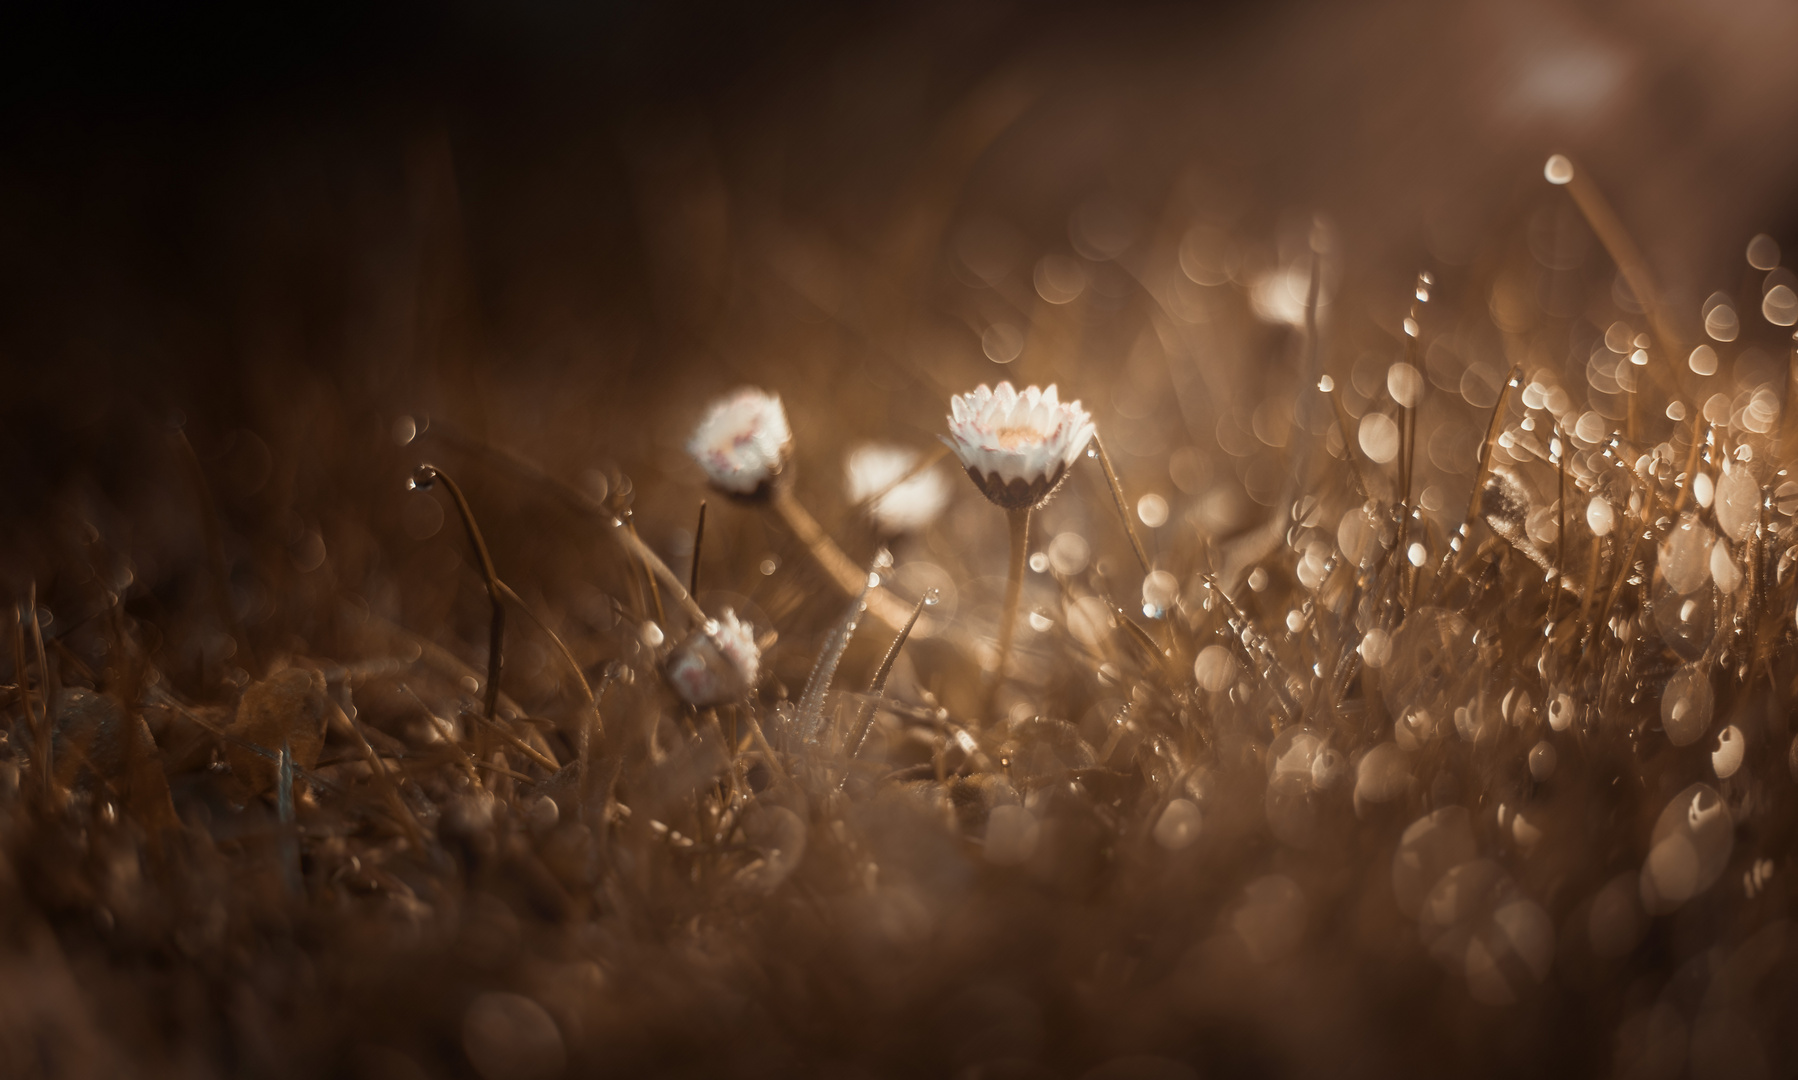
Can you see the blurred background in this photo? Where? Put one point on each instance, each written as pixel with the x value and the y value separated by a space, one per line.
pixel 561 226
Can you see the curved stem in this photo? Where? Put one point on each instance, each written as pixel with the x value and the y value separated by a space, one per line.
pixel 1014 588
pixel 850 578
pixel 424 477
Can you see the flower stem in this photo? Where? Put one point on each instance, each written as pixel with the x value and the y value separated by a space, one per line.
pixel 848 577
pixel 1014 588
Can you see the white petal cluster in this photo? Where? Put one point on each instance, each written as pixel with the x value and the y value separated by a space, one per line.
pixel 743 441
pixel 719 663
pixel 874 468
pixel 1010 437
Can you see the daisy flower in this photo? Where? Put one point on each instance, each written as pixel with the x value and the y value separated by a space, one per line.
pixel 1017 447
pixel 902 503
pixel 743 442
pixel 719 663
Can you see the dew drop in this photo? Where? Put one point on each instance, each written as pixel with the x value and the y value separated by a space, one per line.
pixel 1780 306
pixel 1726 756
pixel 1405 384
pixel 1383 775
pixel 1039 562
pixel 1685 555
pixel 1724 570
pixel 1151 509
pixel 1703 360
pixel 1704 490
pixel 1375 648
pixel 1720 320
pixel 1738 503
pixel 1686 705
pixel 1600 518
pixel 1159 590
pixel 1542 760
pixel 1378 436
pixel 1215 668
pixel 1688 850
pixel 1560 712
pixel 1763 252
pixel 1559 170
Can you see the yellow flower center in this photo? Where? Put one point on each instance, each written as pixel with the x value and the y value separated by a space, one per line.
pixel 1012 438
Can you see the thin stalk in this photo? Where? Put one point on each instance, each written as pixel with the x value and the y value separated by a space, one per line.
pixel 878 684
pixel 390 791
pixel 47 692
pixel 1459 539
pixel 698 545
pixel 581 502
pixel 1117 496
pixel 1019 520
pixel 655 592
pixel 423 478
pixel 1554 596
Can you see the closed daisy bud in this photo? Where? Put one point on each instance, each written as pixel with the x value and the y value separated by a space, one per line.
pixel 1017 447
pixel 902 503
pixel 718 663
pixel 743 443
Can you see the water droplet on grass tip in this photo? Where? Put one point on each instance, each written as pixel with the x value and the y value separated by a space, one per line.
pixel 1039 562
pixel 1558 170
